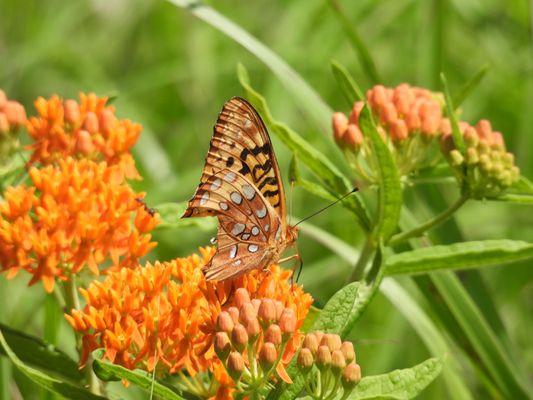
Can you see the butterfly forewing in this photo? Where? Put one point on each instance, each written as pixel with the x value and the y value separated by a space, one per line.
pixel 241 144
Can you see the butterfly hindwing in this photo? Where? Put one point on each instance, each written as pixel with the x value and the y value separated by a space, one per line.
pixel 241 144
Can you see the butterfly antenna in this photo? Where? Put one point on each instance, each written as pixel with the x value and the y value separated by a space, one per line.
pixel 328 206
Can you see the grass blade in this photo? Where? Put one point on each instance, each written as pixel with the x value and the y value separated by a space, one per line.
pixel 359 47
pixel 450 110
pixel 320 112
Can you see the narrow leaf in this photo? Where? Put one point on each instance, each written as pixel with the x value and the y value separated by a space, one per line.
pixel 346 83
pixel 401 384
pixel 514 198
pixel 368 64
pixel 34 351
pixel 463 255
pixel 171 213
pixel 469 86
pixel 521 186
pixel 47 382
pixel 390 190
pixel 450 110
pixel 111 372
pixel 316 108
pixel 315 160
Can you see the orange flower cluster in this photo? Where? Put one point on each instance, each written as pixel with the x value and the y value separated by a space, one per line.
pixel 164 315
pixel 75 213
pixel 403 111
pixel 88 129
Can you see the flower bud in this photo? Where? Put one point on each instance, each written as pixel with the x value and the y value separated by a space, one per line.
pixel 239 337
pixel 241 297
pixel 71 111
pixel 399 130
pixel 234 312
pixel 332 341
pixel 107 120
pixel 267 311
pixel 235 365
pixel 337 361
pixel 256 303
pixel 348 351
pixel 279 309
pixel 497 139
pixel 305 360
pixel 484 129
pixel 351 375
pixel 84 142
pixel 388 113
pixel 471 137
pixel 319 335
pixel 287 321
pixel 456 157
pixel 353 119
pixel 339 124
pixel 268 356
pixel 412 120
pixel 253 329
pixel 471 156
pixel 225 322
pixel 4 123
pixel 247 313
pixel 91 123
pixel 378 96
pixel 323 357
pixel 15 113
pixel 353 137
pixel 311 343
pixel 273 334
pixel 222 345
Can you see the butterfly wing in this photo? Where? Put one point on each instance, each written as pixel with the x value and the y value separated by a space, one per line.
pixel 241 144
pixel 248 224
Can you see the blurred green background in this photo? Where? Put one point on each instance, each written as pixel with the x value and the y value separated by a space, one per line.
pixel 172 72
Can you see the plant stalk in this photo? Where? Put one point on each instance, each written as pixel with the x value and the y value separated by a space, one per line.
pixel 364 257
pixel 432 223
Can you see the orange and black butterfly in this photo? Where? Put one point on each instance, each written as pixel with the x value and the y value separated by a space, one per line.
pixel 241 185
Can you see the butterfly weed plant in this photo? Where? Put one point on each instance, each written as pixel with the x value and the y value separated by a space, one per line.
pixel 231 321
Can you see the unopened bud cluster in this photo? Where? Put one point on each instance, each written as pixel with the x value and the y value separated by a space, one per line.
pixel 328 363
pixel 251 339
pixel 408 118
pixel 486 168
pixel 12 117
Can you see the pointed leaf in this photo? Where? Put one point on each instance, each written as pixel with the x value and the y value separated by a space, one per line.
pixel 401 384
pixel 346 83
pixel 469 86
pixel 475 254
pixel 47 382
pixel 450 110
pixel 111 372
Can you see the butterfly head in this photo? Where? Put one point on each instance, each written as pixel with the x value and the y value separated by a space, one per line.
pixel 291 234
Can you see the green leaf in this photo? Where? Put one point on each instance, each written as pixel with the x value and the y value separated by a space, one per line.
pixel 110 372
pixel 450 110
pixel 315 160
pixel 346 83
pixel 344 308
pixel 506 376
pixel 34 351
pixel 368 64
pixel 390 190
pixel 521 186
pixel 310 319
pixel 462 255
pixel 316 108
pixel 401 384
pixel 51 384
pixel 171 213
pixel 469 86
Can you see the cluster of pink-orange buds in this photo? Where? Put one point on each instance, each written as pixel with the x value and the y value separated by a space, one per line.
pixel 401 112
pixel 486 167
pixel 326 361
pixel 12 117
pixel 251 340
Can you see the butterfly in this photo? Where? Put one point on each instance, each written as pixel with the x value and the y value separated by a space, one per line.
pixel 241 185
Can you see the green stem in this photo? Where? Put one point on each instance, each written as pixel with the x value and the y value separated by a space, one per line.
pixel 432 223
pixel 72 301
pixel 364 257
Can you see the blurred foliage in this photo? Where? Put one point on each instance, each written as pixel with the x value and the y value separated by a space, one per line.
pixel 172 73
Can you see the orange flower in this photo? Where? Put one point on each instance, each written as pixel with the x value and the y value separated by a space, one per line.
pixel 165 314
pixel 88 130
pixel 76 213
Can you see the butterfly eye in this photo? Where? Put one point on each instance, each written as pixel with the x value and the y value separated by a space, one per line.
pixel 213 240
